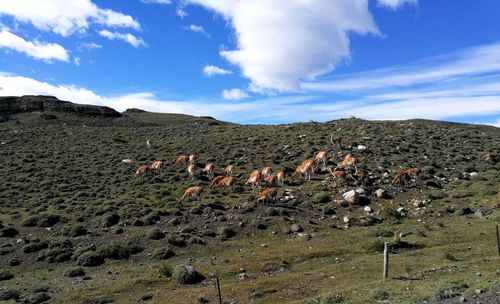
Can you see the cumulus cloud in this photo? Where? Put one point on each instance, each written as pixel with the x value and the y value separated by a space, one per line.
pixel 37 50
pixel 181 13
pixel 65 17
pixel 295 40
pixel 234 94
pixel 211 70
pixel 126 37
pixel 394 4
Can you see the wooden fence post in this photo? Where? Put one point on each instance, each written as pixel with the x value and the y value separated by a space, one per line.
pixel 218 289
pixel 386 259
pixel 498 241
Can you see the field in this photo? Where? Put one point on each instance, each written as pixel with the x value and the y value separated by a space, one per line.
pixel 77 227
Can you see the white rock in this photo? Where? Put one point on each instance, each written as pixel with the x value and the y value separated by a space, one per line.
pixel 473 174
pixel 360 191
pixel 368 209
pixel 361 147
pixel 352 197
pixel 380 193
pixel 347 219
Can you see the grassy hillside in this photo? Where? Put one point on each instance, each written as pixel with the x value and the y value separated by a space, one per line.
pixel 67 202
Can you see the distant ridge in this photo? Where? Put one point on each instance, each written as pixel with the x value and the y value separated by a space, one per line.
pixel 10 105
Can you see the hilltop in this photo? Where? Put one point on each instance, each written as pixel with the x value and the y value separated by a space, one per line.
pixel 77 227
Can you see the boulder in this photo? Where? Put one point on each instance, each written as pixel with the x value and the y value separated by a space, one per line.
pixel 352 197
pixel 296 228
pixel 185 274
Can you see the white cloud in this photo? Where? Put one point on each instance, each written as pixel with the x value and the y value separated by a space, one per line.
pixel 181 13
pixel 466 63
pixel 37 50
pixel 495 123
pixel 76 60
pixel 157 1
pixel 65 17
pixel 198 29
pixel 91 46
pixel 279 44
pixel 127 37
pixel 234 94
pixel 394 4
pixel 211 70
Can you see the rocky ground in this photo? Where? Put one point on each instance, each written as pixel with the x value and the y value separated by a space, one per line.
pixel 77 227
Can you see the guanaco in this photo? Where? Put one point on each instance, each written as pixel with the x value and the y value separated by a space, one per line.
pixel 192 192
pixel 306 168
pixel 157 165
pixel 191 169
pixel 254 179
pixel 193 158
pixel 413 171
pixel 180 160
pixel 402 177
pixel 209 168
pixel 338 174
pixel 229 170
pixel 280 178
pixel 337 142
pixel 216 180
pixel 142 170
pixel 267 195
pixel 227 181
pixel 270 180
pixel 148 143
pixel 266 171
pixel 349 160
pixel 321 156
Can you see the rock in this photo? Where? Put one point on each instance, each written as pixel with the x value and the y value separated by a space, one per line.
pixel 361 147
pixel 39 297
pixel 465 211
pixel 9 232
pixel 185 274
pixel 352 197
pixel 483 212
pixel 110 219
pixel 368 209
pixel 6 275
pixel 225 233
pixel 417 203
pixel 296 228
pixel 347 219
pixel 360 191
pixel 381 193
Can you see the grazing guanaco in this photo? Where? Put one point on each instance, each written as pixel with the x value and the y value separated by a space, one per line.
pixel 338 175
pixel 210 169
pixel 254 179
pixel 269 180
pixel 414 171
pixel 349 160
pixel 229 170
pixel 337 142
pixel 227 181
pixel 193 158
pixel 321 156
pixel 358 177
pixel 142 170
pixel 192 192
pixel 216 180
pixel 402 177
pixel 191 169
pixel 267 195
pixel 180 160
pixel 280 178
pixel 306 168
pixel 127 161
pixel 157 165
pixel 148 143
pixel 266 171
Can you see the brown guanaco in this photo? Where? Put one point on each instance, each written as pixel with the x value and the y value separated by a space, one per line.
pixel 337 142
pixel 280 178
pixel 216 180
pixel 210 169
pixel 180 160
pixel 192 192
pixel 191 169
pixel 193 158
pixel 267 195
pixel 266 171
pixel 321 156
pixel 349 160
pixel 270 180
pixel 157 165
pixel 254 179
pixel 142 170
pixel 229 170
pixel 227 181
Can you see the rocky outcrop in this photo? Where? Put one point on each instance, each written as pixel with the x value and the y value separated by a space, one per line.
pixel 10 105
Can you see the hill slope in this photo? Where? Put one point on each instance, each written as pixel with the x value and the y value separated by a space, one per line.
pixel 71 203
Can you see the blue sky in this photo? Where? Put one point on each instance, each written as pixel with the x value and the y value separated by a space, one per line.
pixel 260 61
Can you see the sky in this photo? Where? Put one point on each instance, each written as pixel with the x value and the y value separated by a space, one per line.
pixel 259 61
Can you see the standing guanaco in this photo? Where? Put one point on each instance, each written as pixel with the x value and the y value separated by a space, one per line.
pixel 142 170
pixel 254 179
pixel 266 171
pixel 210 169
pixel 280 178
pixel 192 192
pixel 321 156
pixel 180 160
pixel 267 195
pixel 191 169
pixel 229 170
pixel 193 158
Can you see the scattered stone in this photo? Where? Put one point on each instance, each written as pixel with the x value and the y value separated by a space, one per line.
pixel 351 197
pixel 483 212
pixel 110 219
pixel 347 219
pixel 296 228
pixel 6 275
pixel 368 209
pixel 381 193
pixel 39 297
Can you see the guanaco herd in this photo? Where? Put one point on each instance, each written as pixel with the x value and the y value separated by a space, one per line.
pixel 305 170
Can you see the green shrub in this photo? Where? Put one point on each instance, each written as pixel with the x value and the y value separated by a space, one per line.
pixel 115 251
pixel 184 274
pixel 155 234
pixel 9 294
pixel 6 275
pixel 74 272
pixel 163 253
pixel 90 259
pixel 110 219
pixel 165 270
